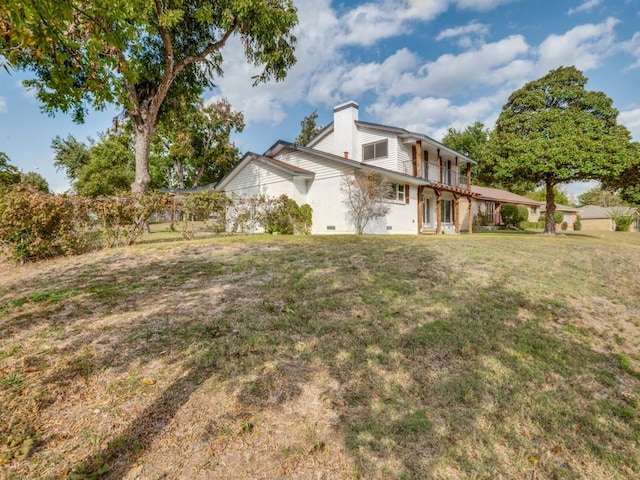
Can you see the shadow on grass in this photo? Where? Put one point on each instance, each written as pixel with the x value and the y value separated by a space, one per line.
pixel 437 376
pixel 491 393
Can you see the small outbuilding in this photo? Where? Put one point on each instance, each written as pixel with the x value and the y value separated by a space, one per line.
pixel 597 218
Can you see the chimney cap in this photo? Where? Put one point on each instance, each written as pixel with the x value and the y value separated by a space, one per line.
pixel 344 106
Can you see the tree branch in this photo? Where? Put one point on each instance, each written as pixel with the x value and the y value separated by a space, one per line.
pixel 208 50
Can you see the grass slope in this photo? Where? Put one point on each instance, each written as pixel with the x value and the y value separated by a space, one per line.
pixel 484 356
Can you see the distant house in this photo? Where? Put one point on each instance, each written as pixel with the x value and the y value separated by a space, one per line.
pixel 431 183
pixel 569 214
pixel 597 218
pixel 489 201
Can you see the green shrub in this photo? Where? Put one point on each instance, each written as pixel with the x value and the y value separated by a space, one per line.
pixel 35 225
pixel 124 218
pixel 283 215
pixel 529 225
pixel 557 217
pixel 482 219
pixel 577 225
pixel 275 215
pixel 623 220
pixel 513 214
pixel 564 225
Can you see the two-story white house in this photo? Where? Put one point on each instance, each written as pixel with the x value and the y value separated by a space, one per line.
pixel 431 182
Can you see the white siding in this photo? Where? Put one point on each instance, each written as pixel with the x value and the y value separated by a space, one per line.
pixel 257 178
pixel 325 195
pixel 321 167
pixel 402 218
pixel 366 136
pixel 330 215
pixel 326 144
pixel 404 158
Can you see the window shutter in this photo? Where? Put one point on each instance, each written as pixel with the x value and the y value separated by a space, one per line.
pixel 406 194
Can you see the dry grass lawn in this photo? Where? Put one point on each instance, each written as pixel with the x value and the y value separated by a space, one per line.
pixel 486 356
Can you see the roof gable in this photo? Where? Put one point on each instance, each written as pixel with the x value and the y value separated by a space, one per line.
pixel 282 167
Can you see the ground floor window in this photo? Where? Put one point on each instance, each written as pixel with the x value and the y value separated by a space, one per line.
pixel 397 192
pixel 426 211
pixel 447 211
pixel 490 211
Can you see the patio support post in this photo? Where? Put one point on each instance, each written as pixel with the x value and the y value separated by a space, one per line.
pixel 470 221
pixel 420 201
pixel 418 155
pixel 439 167
pixel 438 211
pixel 456 176
pixel 456 211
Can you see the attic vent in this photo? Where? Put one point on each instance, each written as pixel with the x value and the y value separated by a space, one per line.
pixel 331 227
pixel 389 227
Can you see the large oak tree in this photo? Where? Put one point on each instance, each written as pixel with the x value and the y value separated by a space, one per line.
pixel 137 53
pixel 554 131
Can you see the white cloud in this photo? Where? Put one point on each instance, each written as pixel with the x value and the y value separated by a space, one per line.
pixel 584 46
pixel 631 120
pixel 465 34
pixel 424 10
pixel 434 115
pixel 29 93
pixel 3 105
pixel 368 23
pixel 323 74
pixel 491 64
pixel 632 46
pixel 473 27
pixel 404 73
pixel 404 88
pixel 584 7
pixel 480 5
pixel 378 76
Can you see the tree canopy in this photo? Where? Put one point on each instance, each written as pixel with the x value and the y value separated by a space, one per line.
pixel 600 196
pixel 560 195
pixel 70 155
pixel 627 184
pixel 471 142
pixel 552 131
pixel 193 146
pixel 308 128
pixel 136 53
pixel 103 167
pixel 9 174
pixel 35 180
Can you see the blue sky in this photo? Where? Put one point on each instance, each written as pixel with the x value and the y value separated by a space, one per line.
pixel 425 65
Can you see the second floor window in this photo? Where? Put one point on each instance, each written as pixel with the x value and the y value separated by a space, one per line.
pixel 375 150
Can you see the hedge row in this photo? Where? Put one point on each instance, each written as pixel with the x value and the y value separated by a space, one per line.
pixel 35 225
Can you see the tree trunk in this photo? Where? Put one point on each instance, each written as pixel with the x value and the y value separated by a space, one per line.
pixel 178 165
pixel 550 223
pixel 196 181
pixel 143 142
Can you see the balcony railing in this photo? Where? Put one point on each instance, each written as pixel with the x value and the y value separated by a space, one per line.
pixel 449 176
